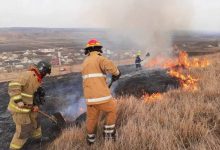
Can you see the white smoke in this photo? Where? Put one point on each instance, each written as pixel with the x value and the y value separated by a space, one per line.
pixel 148 24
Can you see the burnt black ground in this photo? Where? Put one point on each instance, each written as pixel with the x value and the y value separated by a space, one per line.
pixel 146 81
pixel 65 91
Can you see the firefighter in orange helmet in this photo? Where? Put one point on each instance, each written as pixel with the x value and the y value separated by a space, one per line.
pixel 21 105
pixel 97 92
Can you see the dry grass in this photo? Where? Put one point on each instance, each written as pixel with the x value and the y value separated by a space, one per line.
pixel 181 120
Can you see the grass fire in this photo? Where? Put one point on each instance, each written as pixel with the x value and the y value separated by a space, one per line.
pixel 165 107
pixel 180 118
pixel 109 75
pixel 176 67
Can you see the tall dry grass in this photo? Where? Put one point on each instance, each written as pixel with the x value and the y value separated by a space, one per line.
pixel 180 120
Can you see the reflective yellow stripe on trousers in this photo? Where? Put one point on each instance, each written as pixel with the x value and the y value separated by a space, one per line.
pixel 37 133
pixel 15 146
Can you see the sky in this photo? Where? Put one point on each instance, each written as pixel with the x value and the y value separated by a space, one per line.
pixel 79 13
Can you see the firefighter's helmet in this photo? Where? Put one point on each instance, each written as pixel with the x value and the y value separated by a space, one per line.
pixel 93 45
pixel 44 68
pixel 138 53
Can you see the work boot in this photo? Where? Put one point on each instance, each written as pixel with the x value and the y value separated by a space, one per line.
pixel 109 132
pixel 90 139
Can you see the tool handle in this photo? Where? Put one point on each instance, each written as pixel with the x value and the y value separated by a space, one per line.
pixel 48 116
pixel 110 83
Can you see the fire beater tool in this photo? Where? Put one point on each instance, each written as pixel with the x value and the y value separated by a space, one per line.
pixel 147 55
pixel 110 84
pixel 39 99
pixel 56 118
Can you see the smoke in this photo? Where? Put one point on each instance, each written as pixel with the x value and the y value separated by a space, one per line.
pixel 74 106
pixel 142 24
pixel 145 25
pixel 65 94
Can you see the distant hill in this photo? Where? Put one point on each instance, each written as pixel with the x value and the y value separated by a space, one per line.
pixel 12 39
pixel 23 38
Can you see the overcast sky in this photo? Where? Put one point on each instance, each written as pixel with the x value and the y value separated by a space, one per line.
pixel 73 13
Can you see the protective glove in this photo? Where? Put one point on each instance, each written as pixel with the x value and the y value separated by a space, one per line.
pixel 35 109
pixel 20 104
pixel 115 78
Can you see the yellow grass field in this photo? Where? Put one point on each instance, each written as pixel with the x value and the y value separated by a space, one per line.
pixel 180 120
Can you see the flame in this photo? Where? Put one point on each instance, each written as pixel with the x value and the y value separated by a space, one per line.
pixel 187 82
pixel 153 97
pixel 81 110
pixel 182 60
pixel 175 67
pixel 187 63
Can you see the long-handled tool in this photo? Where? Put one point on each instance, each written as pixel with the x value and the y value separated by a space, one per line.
pixel 147 55
pixel 56 118
pixel 114 78
pixel 110 84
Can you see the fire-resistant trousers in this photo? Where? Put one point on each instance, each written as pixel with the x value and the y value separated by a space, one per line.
pixel 27 126
pixel 93 112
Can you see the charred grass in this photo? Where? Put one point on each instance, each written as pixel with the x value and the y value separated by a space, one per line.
pixel 180 120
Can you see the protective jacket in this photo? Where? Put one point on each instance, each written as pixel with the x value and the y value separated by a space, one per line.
pixel 23 89
pixel 95 68
pixel 138 60
pixel 26 121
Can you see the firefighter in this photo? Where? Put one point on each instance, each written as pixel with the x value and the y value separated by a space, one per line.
pixel 138 61
pixel 97 92
pixel 21 105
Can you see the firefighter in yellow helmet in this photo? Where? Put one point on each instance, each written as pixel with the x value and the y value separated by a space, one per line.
pixel 138 61
pixel 97 92
pixel 21 105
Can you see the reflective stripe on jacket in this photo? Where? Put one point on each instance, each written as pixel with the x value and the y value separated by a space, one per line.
pixel 94 70
pixel 22 89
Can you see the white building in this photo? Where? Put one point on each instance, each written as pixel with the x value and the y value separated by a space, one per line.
pixel 47 50
pixel 69 61
pixel 80 58
pixel 35 60
pixel 25 60
pixel 26 53
pixel 77 54
pixel 4 57
pixel 20 67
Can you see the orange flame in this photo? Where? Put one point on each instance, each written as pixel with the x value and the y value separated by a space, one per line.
pixel 81 110
pixel 175 66
pixel 187 82
pixel 183 61
pixel 153 97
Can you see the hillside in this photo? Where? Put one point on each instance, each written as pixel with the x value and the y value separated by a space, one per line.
pixel 179 120
pixel 20 39
pixel 23 38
